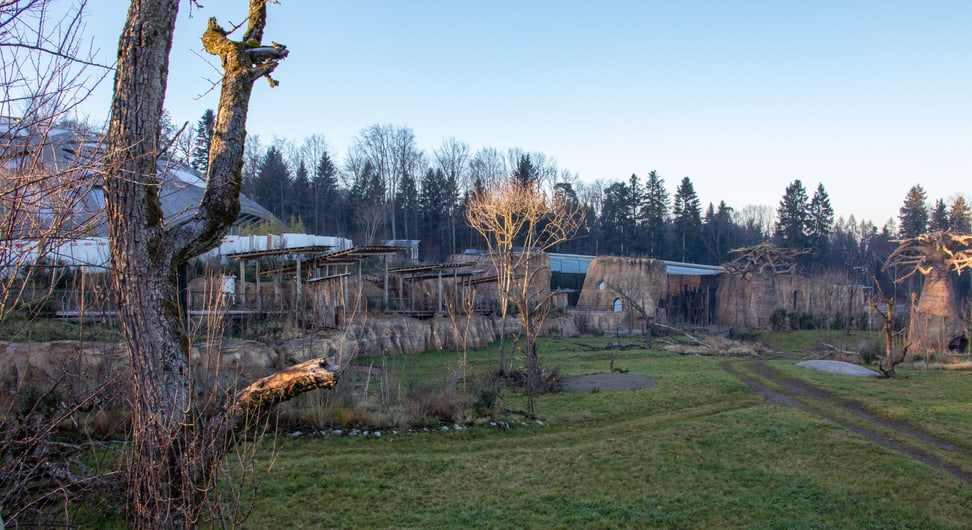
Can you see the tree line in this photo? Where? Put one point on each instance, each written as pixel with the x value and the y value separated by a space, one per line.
pixel 388 188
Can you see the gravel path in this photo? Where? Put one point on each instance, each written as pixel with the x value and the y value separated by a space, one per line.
pixel 607 383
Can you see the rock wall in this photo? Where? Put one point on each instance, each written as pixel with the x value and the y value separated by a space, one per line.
pixel 77 368
pixel 643 280
pixel 749 303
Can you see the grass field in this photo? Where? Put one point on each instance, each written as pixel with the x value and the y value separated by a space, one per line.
pixel 699 449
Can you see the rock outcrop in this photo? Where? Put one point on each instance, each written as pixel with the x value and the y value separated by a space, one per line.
pixel 76 368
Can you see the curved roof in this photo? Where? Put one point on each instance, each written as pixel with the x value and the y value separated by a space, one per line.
pixel 73 159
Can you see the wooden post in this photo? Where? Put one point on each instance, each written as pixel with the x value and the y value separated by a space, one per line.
pixel 258 296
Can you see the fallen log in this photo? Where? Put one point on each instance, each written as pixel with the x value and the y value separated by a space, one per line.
pixel 284 385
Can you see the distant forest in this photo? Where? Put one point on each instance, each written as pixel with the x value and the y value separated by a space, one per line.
pixel 388 188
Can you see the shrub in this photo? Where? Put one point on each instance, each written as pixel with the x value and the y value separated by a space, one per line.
pixel 778 319
pixel 487 399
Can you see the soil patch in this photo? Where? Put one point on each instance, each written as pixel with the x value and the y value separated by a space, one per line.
pixel 606 383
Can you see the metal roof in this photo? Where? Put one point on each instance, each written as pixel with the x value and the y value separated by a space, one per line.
pixel 578 264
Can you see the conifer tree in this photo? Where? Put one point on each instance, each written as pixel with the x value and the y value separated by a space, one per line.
pixel 686 220
pixel 199 159
pixel 820 225
pixel 960 216
pixel 939 217
pixel 913 215
pixel 793 217
pixel 654 214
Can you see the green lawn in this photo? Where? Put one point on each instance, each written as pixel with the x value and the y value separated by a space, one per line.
pixel 699 449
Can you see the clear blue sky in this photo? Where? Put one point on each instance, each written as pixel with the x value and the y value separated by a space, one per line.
pixel 867 97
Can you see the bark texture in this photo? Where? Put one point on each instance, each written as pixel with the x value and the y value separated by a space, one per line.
pixel 171 456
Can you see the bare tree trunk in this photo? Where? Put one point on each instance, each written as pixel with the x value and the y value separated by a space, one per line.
pixel 145 255
pixel 142 271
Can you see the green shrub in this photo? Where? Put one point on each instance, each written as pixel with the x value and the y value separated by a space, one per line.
pixel 778 319
pixel 487 399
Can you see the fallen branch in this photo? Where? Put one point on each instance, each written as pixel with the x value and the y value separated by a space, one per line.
pixel 683 332
pixel 838 350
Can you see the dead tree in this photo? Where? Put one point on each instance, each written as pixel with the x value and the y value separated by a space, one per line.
pixel 887 315
pixel 937 320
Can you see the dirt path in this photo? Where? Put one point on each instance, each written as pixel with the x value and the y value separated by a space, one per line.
pixel 894 435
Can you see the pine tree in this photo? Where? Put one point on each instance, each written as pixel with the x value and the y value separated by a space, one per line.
pixel 820 225
pixel 407 202
pixel 939 217
pixel 960 216
pixel 328 209
pixel 913 215
pixel 300 200
pixel 793 217
pixel 686 220
pixel 717 229
pixel 272 183
pixel 617 224
pixel 654 213
pixel 434 214
pixel 526 171
pixel 204 137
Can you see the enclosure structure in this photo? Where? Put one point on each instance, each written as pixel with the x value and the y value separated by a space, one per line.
pixel 762 290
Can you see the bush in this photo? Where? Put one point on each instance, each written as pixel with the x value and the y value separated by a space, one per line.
pixel 778 319
pixel 871 349
pixel 487 400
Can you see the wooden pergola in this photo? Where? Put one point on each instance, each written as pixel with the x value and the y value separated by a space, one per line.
pixel 426 272
pixel 322 256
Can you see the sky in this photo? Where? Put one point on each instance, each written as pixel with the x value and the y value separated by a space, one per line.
pixel 866 97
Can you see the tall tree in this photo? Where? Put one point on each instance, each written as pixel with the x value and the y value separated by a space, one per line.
pixel 633 212
pixel 938 219
pixel 913 215
pixel 199 159
pixel 487 167
pixel 453 158
pixel 327 205
pixel 617 227
pixel 519 213
pixel 717 233
pixel 407 203
pixel 686 220
pixel 654 213
pixel 525 170
pixel 793 217
pixel 820 225
pixel 272 183
pixel 433 207
pixel 299 205
pixel 960 216
pixel 174 447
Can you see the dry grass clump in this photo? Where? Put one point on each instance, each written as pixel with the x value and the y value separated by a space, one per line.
pixel 717 346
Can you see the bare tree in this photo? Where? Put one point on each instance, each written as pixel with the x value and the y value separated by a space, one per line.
pixel 45 72
pixel 453 158
pixel 516 214
pixel 46 196
pixel 487 167
pixel 887 317
pixel 174 446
